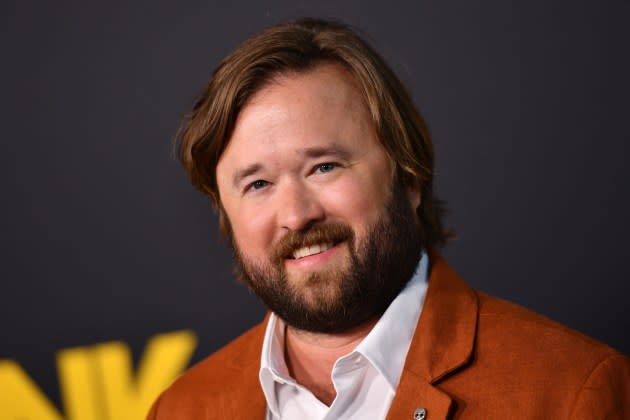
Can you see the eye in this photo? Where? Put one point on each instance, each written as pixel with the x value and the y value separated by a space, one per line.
pixel 256 185
pixel 325 167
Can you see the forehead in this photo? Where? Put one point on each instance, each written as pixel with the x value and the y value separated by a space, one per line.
pixel 326 88
pixel 302 109
pixel 326 80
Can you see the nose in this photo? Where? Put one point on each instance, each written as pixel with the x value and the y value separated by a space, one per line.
pixel 298 207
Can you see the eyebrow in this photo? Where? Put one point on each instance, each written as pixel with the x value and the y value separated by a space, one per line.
pixel 245 172
pixel 332 150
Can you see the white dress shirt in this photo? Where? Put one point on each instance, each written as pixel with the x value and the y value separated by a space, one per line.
pixel 365 380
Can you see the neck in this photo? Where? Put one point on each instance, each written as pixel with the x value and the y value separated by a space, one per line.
pixel 310 356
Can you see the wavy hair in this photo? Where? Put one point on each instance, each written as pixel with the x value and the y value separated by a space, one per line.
pixel 299 46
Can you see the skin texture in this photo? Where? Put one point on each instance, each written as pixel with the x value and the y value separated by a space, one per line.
pixel 304 153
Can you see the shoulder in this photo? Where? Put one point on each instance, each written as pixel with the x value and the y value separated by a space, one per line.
pixel 512 326
pixel 218 367
pixel 532 355
pixel 217 382
pixel 523 362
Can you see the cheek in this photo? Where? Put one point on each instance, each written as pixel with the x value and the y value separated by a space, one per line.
pixel 357 200
pixel 252 229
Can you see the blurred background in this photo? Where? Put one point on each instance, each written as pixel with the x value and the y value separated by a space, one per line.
pixel 103 240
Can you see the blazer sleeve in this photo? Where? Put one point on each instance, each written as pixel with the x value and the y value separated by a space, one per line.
pixel 606 392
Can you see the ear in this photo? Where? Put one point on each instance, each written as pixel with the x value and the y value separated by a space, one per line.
pixel 411 186
pixel 414 195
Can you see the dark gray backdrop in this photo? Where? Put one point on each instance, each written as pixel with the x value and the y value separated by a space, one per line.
pixel 102 238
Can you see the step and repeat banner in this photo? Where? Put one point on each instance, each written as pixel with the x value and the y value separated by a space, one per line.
pixel 113 276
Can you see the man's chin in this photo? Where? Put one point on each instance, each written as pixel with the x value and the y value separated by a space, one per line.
pixel 322 281
pixel 317 292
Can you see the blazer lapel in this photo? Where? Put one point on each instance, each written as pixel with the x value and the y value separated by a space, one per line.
pixel 443 342
pixel 415 392
pixel 250 402
pixel 243 398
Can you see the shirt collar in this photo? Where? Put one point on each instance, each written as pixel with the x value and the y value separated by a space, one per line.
pixel 385 347
pixel 273 367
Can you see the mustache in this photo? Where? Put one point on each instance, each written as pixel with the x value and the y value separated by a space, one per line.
pixel 316 234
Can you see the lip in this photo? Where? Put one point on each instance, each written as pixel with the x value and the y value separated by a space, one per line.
pixel 316 260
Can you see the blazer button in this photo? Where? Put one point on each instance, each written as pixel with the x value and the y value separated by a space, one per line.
pixel 420 414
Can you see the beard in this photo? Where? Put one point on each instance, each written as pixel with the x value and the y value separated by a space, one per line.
pixel 338 299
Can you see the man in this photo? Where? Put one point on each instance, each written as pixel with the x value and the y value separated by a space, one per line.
pixel 321 170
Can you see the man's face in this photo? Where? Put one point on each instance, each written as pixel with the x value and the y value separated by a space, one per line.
pixel 322 230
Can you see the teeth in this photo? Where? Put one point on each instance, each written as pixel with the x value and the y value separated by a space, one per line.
pixel 311 250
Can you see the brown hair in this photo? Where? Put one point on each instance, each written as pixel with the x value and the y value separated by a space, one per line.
pixel 298 46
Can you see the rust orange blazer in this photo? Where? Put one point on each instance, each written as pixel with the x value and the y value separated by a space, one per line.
pixel 472 357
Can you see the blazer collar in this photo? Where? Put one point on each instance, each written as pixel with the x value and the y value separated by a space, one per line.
pixel 443 342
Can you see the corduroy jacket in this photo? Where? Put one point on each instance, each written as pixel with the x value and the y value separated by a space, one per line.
pixel 472 356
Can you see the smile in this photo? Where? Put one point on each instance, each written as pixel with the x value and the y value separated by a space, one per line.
pixel 311 250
